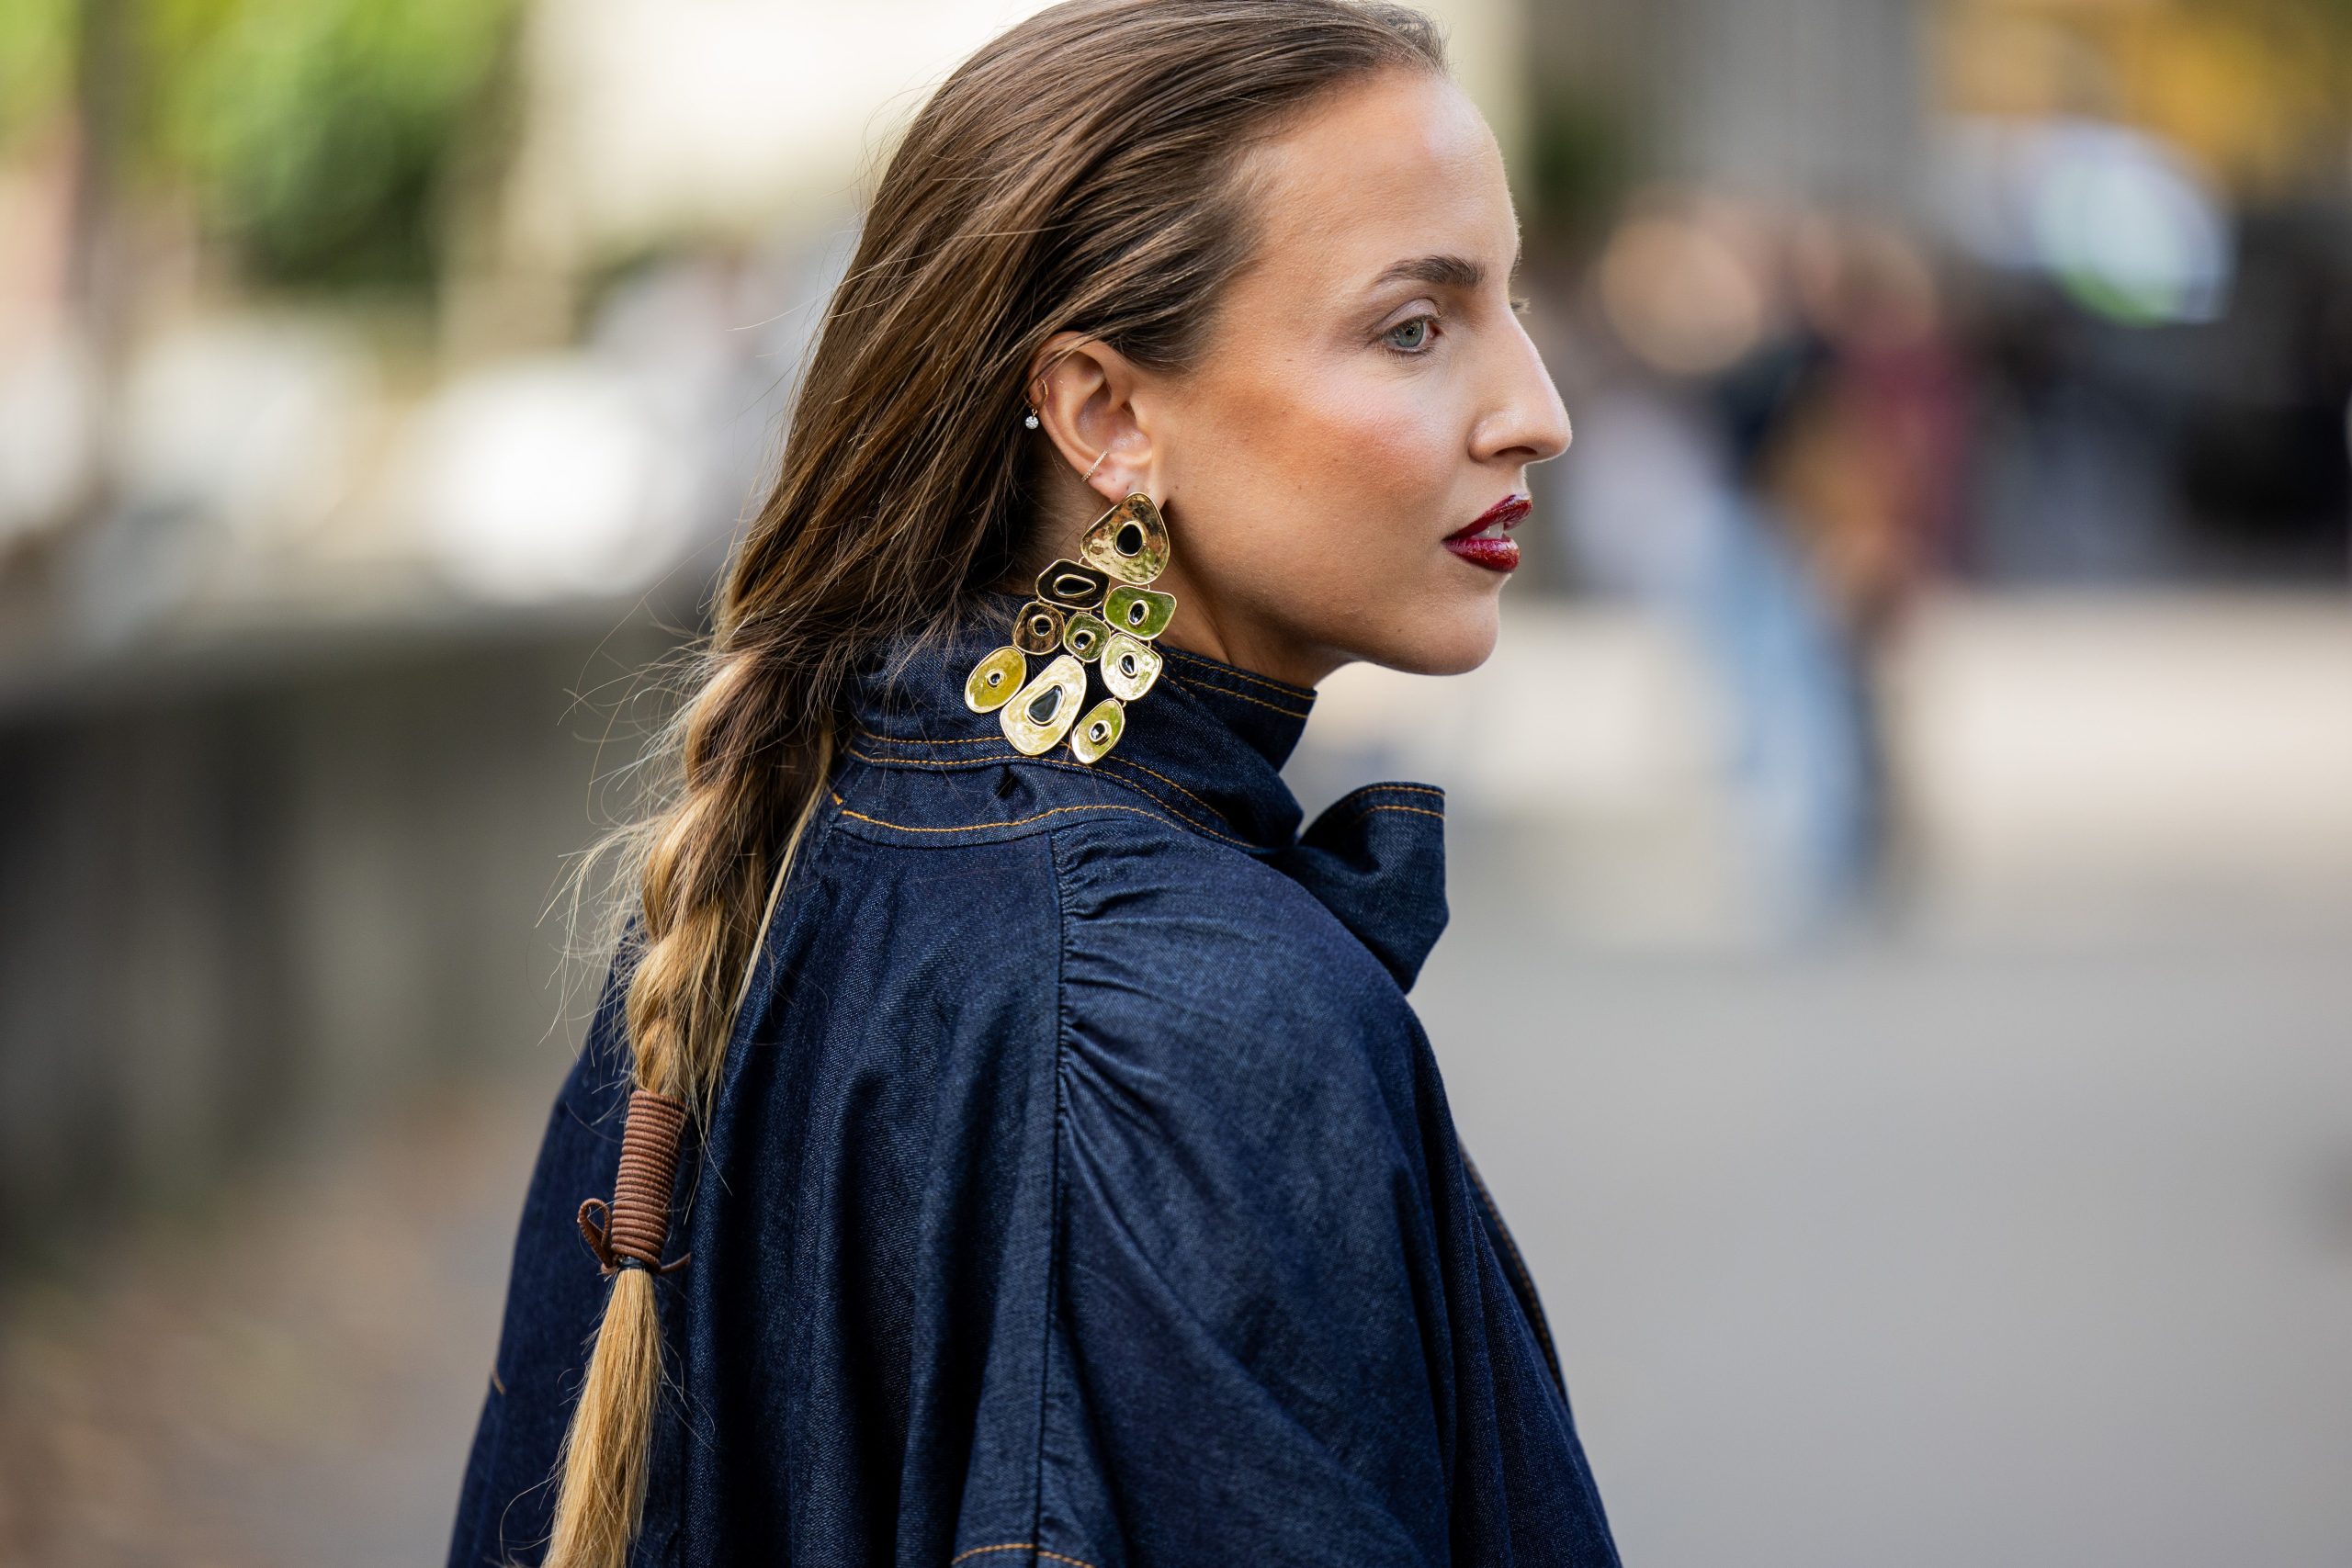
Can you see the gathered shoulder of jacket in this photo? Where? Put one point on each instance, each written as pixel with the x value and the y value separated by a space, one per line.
pixel 1081 1188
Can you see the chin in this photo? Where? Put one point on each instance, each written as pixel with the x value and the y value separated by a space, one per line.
pixel 1452 642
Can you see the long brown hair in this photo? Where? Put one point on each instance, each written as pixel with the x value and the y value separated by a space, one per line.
pixel 1079 172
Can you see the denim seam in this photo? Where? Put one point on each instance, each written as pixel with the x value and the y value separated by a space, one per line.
pixel 1011 822
pixel 1518 1265
pixel 1205 667
pixel 1163 778
pixel 1016 759
pixel 1054 1194
pixel 1239 696
pixel 1396 789
pixel 941 740
pixel 1122 761
pixel 1017 1546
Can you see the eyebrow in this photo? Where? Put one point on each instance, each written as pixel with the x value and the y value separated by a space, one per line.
pixel 1448 272
pixel 1444 271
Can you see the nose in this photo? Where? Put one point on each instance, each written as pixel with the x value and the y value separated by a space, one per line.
pixel 1526 421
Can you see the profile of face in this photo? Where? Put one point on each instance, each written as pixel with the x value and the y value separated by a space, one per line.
pixel 1366 393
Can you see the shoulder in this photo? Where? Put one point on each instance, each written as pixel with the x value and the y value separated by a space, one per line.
pixel 1200 966
pixel 1196 920
pixel 1246 1114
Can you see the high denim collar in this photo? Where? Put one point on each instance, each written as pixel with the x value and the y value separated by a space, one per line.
pixel 1206 744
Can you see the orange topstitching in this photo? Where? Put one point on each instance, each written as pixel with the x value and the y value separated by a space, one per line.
pixel 1017 1546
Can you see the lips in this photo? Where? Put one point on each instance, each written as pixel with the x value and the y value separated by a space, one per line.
pixel 1486 541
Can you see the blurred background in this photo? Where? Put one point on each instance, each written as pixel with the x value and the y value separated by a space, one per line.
pixel 1901 977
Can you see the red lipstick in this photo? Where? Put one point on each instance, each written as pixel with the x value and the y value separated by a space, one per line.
pixel 1486 541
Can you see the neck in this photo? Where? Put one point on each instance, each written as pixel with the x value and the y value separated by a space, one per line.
pixel 1198 628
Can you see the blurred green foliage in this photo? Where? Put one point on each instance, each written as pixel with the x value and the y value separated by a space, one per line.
pixel 36 64
pixel 317 136
pixel 1579 161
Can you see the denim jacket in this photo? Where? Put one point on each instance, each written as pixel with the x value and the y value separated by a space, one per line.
pixel 1080 1191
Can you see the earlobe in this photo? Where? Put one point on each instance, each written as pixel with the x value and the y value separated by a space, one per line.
pixel 1124 469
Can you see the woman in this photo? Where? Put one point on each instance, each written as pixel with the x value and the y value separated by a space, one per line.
pixel 1060 1176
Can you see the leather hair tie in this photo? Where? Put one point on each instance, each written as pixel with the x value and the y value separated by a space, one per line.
pixel 631 1233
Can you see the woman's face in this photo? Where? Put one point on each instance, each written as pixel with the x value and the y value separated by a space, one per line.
pixel 1365 391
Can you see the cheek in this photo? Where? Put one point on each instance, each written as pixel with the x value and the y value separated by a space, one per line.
pixel 1353 468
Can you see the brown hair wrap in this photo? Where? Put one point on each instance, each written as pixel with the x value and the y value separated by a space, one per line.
pixel 632 1232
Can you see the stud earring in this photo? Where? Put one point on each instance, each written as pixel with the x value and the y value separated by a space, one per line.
pixel 1097 610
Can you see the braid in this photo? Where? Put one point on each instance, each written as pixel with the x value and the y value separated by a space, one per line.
pixel 706 867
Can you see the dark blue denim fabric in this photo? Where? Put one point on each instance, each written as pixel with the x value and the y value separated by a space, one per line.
pixel 1081 1192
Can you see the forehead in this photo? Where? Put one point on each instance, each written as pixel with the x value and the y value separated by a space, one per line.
pixel 1397 166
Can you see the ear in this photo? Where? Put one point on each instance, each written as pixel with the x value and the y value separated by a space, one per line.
pixel 1088 400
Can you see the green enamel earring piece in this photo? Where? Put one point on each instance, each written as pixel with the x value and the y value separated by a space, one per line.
pixel 1099 731
pixel 1085 635
pixel 994 679
pixel 1096 610
pixel 1129 666
pixel 1139 612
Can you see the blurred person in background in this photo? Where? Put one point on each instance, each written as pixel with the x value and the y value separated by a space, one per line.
pixel 1060 1172
pixel 1778 464
pixel 1844 426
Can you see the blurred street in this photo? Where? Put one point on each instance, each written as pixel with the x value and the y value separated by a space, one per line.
pixel 285 1373
pixel 1929 1253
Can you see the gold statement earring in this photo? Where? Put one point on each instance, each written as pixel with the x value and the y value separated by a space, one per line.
pixel 1096 610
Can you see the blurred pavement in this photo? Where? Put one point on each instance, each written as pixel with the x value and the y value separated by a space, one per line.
pixel 1931 1252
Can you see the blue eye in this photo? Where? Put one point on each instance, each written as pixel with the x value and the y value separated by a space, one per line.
pixel 1419 325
